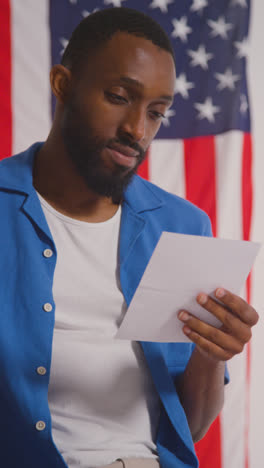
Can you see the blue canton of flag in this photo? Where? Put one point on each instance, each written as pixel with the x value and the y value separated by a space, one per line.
pixel 210 44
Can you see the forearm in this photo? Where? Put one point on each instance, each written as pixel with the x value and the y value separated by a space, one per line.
pixel 201 391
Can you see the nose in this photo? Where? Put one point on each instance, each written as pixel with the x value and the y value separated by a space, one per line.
pixel 133 124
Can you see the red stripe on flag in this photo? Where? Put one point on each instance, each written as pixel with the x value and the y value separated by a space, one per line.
pixel 208 450
pixel 199 155
pixel 247 185
pixel 5 81
pixel 143 170
pixel 200 167
pixel 247 200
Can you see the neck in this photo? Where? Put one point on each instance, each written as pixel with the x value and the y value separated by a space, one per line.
pixel 56 179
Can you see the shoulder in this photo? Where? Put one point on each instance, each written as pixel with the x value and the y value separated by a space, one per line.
pixel 180 214
pixel 16 171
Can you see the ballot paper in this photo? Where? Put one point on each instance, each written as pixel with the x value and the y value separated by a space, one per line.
pixel 182 266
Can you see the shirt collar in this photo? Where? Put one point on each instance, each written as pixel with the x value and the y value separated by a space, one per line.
pixel 16 175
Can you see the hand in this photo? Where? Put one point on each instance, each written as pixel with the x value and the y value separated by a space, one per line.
pixel 237 317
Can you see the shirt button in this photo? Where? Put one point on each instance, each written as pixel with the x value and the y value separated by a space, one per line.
pixel 47 307
pixel 41 370
pixel 40 426
pixel 47 253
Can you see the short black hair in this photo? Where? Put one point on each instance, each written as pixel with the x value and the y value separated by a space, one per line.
pixel 99 27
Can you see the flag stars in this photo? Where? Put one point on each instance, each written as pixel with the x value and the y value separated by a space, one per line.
pixel 168 114
pixel 219 27
pixel 227 80
pixel 242 3
pixel 115 3
pixel 207 110
pixel 199 5
pixel 181 28
pixel 182 86
pixel 64 42
pixel 200 57
pixel 243 104
pixel 86 13
pixel 161 4
pixel 242 48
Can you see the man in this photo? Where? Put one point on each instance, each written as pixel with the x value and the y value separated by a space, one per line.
pixel 78 230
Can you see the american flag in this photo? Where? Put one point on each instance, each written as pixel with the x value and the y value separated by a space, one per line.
pixel 203 151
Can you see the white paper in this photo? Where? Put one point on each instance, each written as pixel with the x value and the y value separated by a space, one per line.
pixel 182 266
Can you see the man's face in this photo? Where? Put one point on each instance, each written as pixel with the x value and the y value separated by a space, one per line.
pixel 115 109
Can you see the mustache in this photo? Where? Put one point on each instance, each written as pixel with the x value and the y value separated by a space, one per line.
pixel 133 145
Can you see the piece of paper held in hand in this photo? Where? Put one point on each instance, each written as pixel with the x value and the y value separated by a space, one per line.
pixel 181 266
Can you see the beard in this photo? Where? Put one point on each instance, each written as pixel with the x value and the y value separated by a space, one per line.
pixel 85 152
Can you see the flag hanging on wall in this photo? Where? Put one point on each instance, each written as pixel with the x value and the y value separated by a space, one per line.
pixel 202 151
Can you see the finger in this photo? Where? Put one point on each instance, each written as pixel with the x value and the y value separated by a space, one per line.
pixel 211 349
pixel 238 306
pixel 214 335
pixel 232 323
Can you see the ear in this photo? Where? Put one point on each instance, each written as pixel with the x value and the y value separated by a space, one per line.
pixel 60 81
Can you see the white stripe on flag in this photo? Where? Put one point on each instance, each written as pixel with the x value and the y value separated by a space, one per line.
pixel 256 80
pixel 166 165
pixel 229 152
pixel 229 184
pixel 31 96
pixel 257 379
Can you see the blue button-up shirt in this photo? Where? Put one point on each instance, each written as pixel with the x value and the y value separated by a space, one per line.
pixel 28 260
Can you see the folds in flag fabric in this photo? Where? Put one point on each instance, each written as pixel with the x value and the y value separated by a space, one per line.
pixel 203 151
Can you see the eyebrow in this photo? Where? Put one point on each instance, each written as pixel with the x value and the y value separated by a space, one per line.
pixel 138 84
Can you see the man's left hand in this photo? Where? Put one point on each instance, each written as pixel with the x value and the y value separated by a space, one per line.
pixel 237 317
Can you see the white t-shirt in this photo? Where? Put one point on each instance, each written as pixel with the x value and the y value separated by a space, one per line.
pixel 102 400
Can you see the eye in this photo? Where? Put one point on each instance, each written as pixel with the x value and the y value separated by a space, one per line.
pixel 156 115
pixel 116 98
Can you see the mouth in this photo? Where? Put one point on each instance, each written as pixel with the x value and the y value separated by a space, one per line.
pixel 123 155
